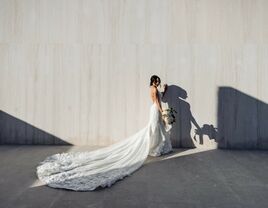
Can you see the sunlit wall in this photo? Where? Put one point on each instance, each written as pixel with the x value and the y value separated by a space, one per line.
pixel 79 70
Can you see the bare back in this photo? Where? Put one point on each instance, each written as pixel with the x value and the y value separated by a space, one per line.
pixel 154 94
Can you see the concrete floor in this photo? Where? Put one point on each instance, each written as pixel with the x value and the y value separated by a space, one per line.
pixel 200 178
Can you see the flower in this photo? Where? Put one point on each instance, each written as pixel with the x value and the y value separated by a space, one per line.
pixel 168 115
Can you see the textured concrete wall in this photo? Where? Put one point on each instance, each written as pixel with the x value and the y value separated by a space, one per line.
pixel 78 71
pixel 247 126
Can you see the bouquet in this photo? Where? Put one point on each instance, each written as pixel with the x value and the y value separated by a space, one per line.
pixel 168 115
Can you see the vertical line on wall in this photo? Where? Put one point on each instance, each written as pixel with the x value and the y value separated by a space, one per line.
pixel 137 90
pixel 147 14
pixel 98 120
pixel 54 91
pixel 258 96
pixel 124 97
pixel 89 104
pixel 109 107
pixel 35 103
pixel 81 49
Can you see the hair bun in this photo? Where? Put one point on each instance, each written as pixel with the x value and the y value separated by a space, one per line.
pixel 154 78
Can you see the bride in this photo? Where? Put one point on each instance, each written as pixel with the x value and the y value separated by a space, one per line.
pixel 85 171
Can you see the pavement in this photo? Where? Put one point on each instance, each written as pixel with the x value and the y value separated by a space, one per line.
pixel 199 178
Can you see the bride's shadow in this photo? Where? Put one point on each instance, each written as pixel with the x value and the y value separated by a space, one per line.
pixel 180 132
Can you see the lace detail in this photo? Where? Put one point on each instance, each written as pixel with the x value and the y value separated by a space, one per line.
pixel 85 171
pixel 160 138
pixel 62 176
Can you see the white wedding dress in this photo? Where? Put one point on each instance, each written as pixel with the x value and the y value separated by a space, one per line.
pixel 85 171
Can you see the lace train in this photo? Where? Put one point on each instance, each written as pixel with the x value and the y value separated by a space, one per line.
pixel 85 171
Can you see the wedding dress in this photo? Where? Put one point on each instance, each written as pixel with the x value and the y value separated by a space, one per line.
pixel 85 171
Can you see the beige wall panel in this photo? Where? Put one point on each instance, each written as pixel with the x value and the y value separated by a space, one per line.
pixel 78 71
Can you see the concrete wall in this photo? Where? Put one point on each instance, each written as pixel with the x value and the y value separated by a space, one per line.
pixel 78 71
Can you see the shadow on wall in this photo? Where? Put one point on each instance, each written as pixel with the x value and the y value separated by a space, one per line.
pixel 242 120
pixel 209 130
pixel 180 133
pixel 16 131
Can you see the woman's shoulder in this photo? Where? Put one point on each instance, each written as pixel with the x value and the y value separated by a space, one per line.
pixel 153 89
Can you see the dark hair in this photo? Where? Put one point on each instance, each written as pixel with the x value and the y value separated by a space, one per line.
pixel 153 79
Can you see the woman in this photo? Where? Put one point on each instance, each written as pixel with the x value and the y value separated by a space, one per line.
pixel 85 171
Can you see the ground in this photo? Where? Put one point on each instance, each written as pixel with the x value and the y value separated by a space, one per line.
pixel 200 178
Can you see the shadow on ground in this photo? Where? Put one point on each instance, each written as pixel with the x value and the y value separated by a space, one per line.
pixel 185 178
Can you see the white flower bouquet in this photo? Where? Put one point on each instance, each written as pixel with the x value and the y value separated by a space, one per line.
pixel 168 115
